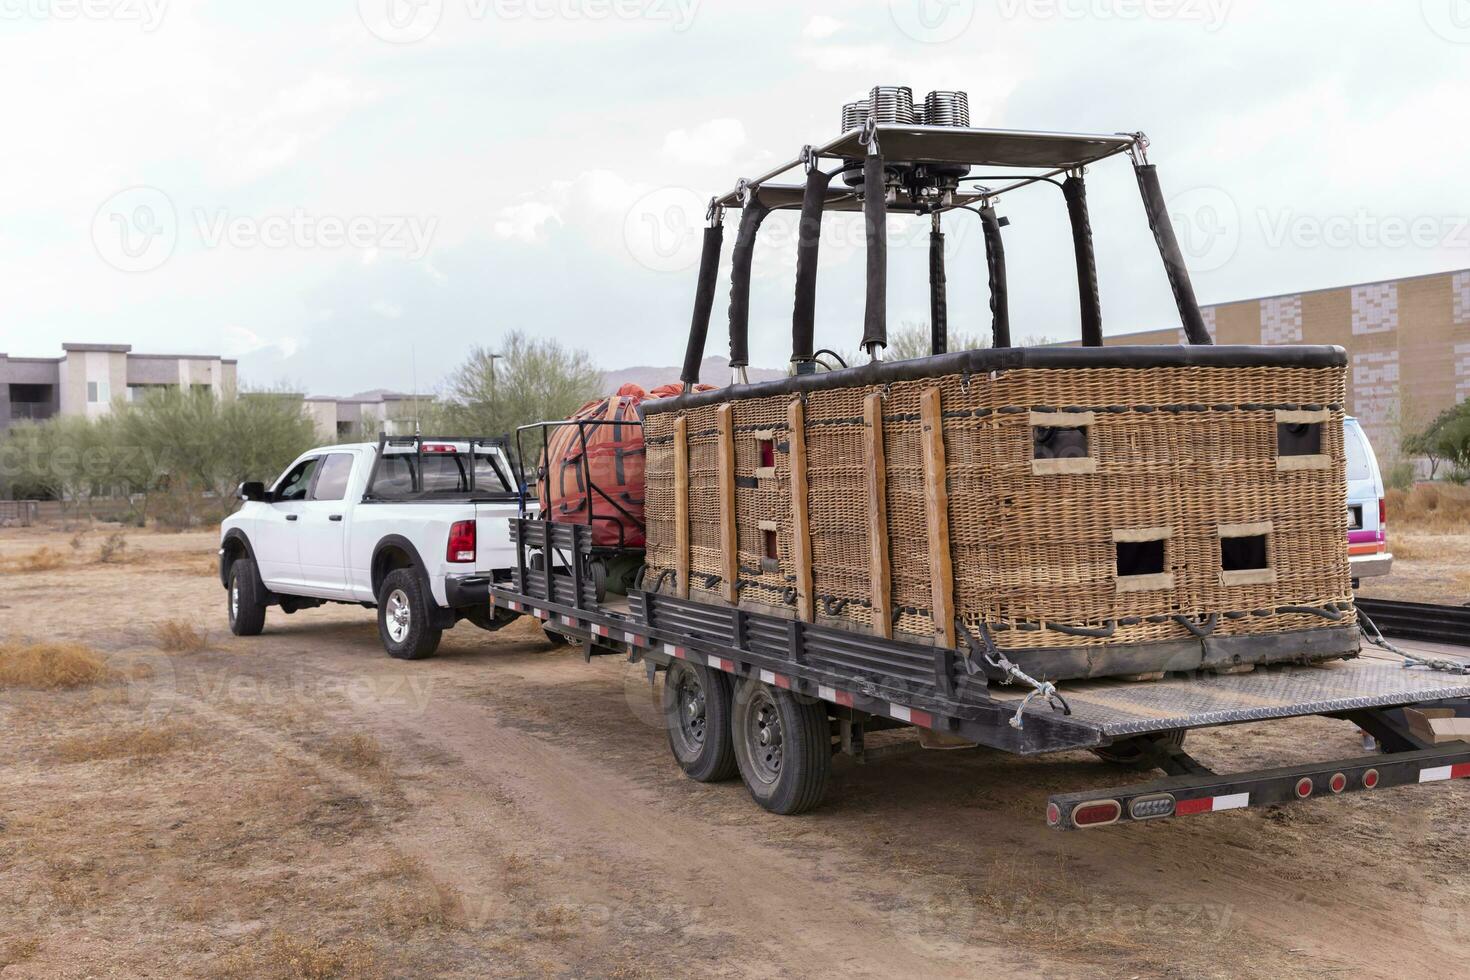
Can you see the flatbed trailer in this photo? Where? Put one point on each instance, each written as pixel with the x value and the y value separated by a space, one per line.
pixel 862 684
pixel 1032 549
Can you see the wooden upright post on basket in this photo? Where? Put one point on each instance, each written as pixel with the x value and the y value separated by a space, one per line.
pixel 877 479
pixel 681 504
pixel 729 540
pixel 801 525
pixel 936 508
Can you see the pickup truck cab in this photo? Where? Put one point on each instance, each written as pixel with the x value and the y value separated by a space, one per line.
pixel 415 527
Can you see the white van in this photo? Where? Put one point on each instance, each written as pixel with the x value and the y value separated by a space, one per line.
pixel 1368 551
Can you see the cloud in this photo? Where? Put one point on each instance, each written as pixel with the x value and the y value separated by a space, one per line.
pixel 820 27
pixel 711 143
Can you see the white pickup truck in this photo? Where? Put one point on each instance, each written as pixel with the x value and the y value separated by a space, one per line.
pixel 416 527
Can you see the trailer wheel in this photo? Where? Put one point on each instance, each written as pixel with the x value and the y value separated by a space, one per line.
pixel 403 617
pixel 1134 751
pixel 246 602
pixel 696 706
pixel 783 747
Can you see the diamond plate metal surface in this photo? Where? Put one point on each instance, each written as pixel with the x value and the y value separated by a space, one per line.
pixel 1134 708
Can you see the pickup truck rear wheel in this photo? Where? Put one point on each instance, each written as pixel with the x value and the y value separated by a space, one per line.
pixel 246 599
pixel 696 705
pixel 403 616
pixel 783 747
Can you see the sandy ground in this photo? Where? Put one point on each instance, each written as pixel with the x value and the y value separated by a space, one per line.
pixel 299 805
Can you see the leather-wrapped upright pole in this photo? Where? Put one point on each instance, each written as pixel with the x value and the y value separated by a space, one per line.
pixel 704 302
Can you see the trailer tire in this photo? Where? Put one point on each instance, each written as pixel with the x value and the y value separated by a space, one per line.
pixel 245 598
pixel 404 618
pixel 783 747
pixel 696 707
pixel 1131 752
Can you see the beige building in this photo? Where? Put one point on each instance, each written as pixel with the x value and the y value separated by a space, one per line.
pixel 1407 340
pixel 87 378
pixel 363 416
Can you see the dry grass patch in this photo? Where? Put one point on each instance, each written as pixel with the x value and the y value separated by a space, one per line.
pixel 286 956
pixel 358 751
pixel 1430 507
pixel 49 666
pixel 41 560
pixel 134 743
pixel 178 636
pixel 18 950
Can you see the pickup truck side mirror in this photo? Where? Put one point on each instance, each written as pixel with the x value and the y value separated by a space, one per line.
pixel 253 490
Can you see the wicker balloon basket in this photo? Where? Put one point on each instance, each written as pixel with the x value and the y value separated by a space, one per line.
pixel 1098 517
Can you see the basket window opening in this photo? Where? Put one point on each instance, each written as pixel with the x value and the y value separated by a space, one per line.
pixel 1137 558
pixel 1244 553
pixel 1299 438
pixel 767 452
pixel 771 547
pixel 1059 442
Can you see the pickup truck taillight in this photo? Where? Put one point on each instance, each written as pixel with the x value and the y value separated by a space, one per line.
pixel 461 542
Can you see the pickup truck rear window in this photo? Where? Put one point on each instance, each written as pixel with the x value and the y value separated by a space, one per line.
pixel 444 474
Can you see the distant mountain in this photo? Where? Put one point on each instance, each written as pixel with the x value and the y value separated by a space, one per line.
pixel 713 370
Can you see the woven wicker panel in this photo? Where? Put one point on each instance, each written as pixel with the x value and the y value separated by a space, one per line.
pixel 769 501
pixel 658 492
pixel 1182 449
pixel 837 499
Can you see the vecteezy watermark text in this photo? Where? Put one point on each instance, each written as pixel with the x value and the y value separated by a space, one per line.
pixel 408 234
pixel 1211 14
pixel 411 21
pixel 147 14
pixel 137 230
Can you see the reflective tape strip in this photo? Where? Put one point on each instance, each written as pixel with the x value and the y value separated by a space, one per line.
pixel 911 715
pixel 1212 804
pixel 834 695
pixel 674 651
pixel 568 620
pixel 599 629
pixel 1442 773
pixel 768 677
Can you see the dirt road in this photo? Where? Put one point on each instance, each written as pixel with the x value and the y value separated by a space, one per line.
pixel 298 804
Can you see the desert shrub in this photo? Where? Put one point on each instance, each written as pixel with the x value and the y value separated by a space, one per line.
pixel 114 550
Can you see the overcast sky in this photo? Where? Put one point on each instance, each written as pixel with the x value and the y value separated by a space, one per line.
pixel 345 192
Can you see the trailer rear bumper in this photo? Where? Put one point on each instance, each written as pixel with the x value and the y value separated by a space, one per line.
pixel 1192 795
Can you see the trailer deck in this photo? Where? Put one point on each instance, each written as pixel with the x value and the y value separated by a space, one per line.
pixel 861 686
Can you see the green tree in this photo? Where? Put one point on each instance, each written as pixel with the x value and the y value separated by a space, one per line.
pixel 1446 439
pixel 525 380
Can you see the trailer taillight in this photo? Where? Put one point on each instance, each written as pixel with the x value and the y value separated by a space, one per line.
pixel 461 542
pixel 1098 813
pixel 1370 779
pixel 1304 787
pixel 1338 783
pixel 1152 807
pixel 438 447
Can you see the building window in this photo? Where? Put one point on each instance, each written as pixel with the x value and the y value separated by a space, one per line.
pixel 97 393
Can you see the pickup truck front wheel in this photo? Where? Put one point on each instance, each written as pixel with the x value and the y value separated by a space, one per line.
pixel 403 617
pixel 246 599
